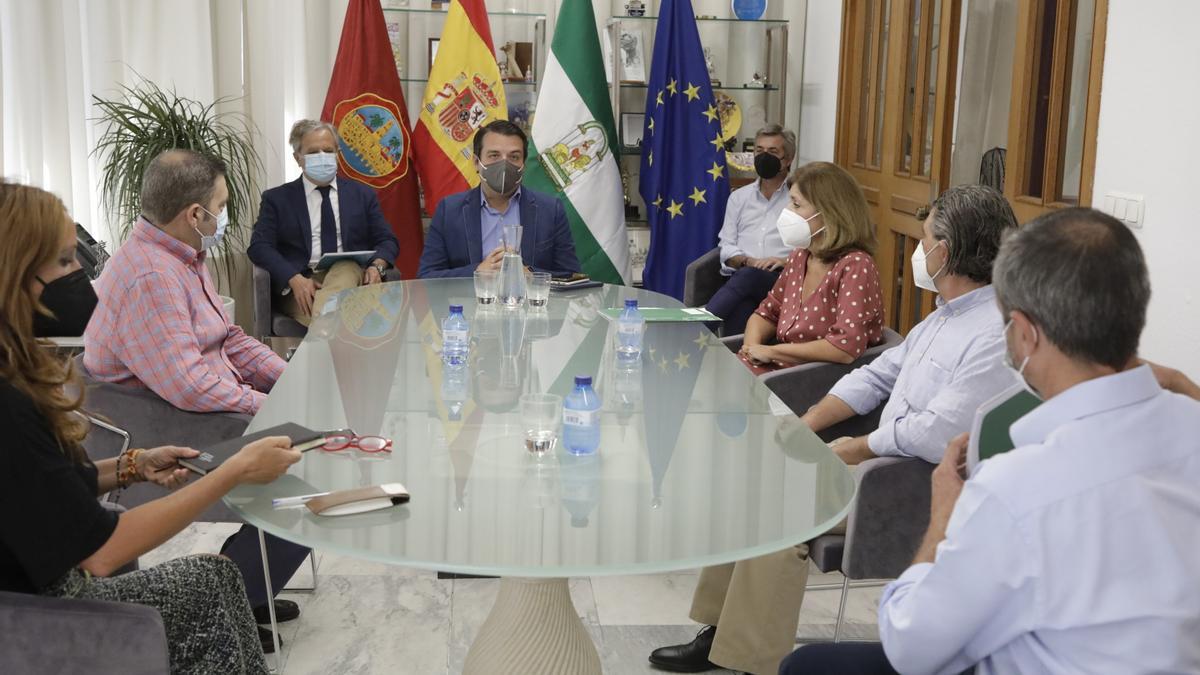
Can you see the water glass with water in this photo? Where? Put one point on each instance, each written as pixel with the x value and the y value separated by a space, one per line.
pixel 537 294
pixel 485 286
pixel 540 417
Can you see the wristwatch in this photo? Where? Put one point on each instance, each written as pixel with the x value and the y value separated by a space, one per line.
pixel 381 268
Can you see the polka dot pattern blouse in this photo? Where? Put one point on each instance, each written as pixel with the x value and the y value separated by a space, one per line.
pixel 846 309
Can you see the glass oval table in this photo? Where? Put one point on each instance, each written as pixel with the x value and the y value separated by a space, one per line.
pixel 692 469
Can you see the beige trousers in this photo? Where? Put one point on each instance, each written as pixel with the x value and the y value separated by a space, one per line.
pixel 755 605
pixel 342 276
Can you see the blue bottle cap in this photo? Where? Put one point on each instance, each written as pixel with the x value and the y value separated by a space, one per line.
pixel 631 303
pixel 456 309
pixel 583 380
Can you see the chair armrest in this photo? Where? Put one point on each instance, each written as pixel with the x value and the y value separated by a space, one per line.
pixel 702 278
pixel 889 517
pixel 733 342
pixel 58 635
pixel 262 303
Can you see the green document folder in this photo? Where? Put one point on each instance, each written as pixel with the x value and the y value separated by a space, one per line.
pixel 990 435
pixel 666 314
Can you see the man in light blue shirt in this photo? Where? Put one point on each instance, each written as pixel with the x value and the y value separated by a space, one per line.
pixel 752 252
pixel 1077 551
pixel 949 363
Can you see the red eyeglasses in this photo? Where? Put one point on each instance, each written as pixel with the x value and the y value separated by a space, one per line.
pixel 369 444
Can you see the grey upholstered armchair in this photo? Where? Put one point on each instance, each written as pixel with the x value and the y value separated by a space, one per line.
pixel 702 279
pixel 269 321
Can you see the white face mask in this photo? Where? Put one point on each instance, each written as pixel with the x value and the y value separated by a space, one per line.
pixel 1019 371
pixel 921 271
pixel 210 241
pixel 321 167
pixel 794 229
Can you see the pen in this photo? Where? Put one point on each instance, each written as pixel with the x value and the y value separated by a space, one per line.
pixel 295 501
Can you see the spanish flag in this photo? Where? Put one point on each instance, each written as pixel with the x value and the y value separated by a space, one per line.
pixel 463 94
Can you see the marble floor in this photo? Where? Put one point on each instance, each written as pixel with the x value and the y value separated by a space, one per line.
pixel 368 617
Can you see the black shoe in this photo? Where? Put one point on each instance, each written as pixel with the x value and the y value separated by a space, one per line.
pixel 687 658
pixel 268 644
pixel 285 610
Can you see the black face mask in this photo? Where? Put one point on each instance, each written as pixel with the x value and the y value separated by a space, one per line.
pixel 72 300
pixel 767 166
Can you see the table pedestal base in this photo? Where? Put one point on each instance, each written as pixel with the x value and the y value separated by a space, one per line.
pixel 533 629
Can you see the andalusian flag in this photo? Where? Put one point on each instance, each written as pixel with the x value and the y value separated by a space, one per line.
pixel 573 143
pixel 463 94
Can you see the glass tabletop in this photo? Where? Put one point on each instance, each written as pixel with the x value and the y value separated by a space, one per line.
pixel 692 468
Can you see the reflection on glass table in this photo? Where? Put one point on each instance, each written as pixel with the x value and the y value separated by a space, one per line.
pixel 692 468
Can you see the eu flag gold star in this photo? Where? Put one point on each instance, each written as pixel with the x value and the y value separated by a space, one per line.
pixel 675 209
pixel 697 196
pixel 651 126
pixel 650 158
pixel 717 142
pixel 662 365
pixel 657 202
pixel 682 360
pixel 693 92
pixel 671 87
pixel 716 172
pixel 658 98
pixel 711 113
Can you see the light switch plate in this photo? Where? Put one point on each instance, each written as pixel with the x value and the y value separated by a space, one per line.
pixel 1128 208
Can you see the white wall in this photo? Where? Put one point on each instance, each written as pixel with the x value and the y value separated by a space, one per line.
pixel 818 98
pixel 1148 144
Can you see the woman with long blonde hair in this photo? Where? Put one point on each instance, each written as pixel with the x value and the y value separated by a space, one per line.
pixel 55 538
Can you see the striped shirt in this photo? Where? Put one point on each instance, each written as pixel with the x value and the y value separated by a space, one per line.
pixel 161 325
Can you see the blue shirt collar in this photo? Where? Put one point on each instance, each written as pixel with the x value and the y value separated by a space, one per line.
pixel 968 301
pixel 1085 399
pixel 514 199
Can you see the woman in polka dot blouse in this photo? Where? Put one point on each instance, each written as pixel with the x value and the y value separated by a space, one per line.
pixel 826 305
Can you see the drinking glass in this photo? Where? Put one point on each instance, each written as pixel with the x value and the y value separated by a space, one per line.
pixel 540 417
pixel 485 286
pixel 538 291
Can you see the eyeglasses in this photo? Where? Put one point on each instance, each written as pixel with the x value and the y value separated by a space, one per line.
pixel 369 444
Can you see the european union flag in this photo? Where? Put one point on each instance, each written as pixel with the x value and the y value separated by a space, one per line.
pixel 683 177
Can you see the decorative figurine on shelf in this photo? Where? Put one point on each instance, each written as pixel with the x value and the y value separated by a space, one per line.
pixel 631 209
pixel 513 71
pixel 502 59
pixel 635 8
pixel 712 67
pixel 758 81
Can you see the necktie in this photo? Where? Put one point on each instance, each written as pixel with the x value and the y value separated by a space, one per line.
pixel 329 238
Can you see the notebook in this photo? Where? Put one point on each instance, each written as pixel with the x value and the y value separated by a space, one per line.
pixel 989 430
pixel 363 258
pixel 212 456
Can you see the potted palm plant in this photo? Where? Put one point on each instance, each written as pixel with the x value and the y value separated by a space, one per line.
pixel 144 120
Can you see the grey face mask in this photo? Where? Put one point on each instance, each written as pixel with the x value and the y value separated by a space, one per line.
pixel 502 177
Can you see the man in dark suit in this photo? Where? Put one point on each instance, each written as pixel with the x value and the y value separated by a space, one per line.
pixel 316 214
pixel 468 227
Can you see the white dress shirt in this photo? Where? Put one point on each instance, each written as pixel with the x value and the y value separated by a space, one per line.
pixel 749 227
pixel 1076 552
pixel 314 215
pixel 933 382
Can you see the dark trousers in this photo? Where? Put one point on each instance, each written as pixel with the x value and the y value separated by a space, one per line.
pixel 285 558
pixel 740 296
pixel 842 658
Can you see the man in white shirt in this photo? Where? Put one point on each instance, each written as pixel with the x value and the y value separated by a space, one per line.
pixel 1076 551
pixel 752 252
pixel 318 213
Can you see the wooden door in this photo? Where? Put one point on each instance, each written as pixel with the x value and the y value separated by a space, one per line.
pixel 895 117
pixel 1059 56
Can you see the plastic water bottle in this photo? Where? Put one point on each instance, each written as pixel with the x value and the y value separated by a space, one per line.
pixel 581 418
pixel 631 326
pixel 455 337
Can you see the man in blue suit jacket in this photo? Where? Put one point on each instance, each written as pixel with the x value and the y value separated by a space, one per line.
pixel 315 214
pixel 468 227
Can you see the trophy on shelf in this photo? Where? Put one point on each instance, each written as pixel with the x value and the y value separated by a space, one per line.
pixel 635 8
pixel 712 67
pixel 759 81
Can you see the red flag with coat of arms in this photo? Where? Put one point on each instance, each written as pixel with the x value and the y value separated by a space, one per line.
pixel 365 102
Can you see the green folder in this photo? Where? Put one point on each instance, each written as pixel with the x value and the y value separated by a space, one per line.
pixel 990 435
pixel 666 314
